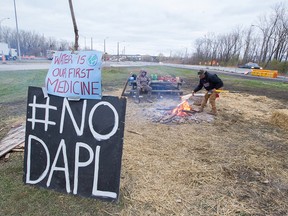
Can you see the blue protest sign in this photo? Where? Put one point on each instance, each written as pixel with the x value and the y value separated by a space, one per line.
pixel 75 75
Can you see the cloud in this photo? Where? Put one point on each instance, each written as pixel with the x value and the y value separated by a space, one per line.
pixel 146 26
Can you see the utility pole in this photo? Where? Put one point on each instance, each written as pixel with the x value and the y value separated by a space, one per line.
pixel 118 51
pixel 85 46
pixel 91 43
pixel 104 54
pixel 76 45
pixel 105 45
pixel 18 41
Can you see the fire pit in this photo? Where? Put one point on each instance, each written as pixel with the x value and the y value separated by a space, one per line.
pixel 183 113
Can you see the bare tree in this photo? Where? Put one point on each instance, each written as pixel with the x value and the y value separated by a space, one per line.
pixel 274 35
pixel 247 45
pixel 279 46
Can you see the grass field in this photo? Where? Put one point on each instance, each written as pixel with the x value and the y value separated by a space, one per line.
pixel 19 199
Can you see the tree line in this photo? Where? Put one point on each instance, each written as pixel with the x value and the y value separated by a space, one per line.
pixel 265 43
pixel 32 43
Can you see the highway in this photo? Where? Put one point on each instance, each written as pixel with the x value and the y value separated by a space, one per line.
pixel 45 64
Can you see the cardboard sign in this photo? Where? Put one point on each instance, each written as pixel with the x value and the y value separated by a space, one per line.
pixel 74 147
pixel 75 75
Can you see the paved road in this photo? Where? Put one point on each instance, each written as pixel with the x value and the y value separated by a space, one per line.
pixel 14 66
pixel 245 73
pixel 224 70
pixel 35 65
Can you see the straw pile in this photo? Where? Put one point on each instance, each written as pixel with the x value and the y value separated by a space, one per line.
pixel 280 118
pixel 233 165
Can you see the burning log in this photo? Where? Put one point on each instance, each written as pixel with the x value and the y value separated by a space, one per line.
pixel 181 110
pixel 181 114
pixel 189 111
pixel 183 106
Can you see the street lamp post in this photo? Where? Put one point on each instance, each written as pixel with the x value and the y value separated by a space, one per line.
pixel 91 43
pixel 1 26
pixel 85 43
pixel 105 45
pixel 18 43
pixel 3 20
pixel 118 50
pixel 105 49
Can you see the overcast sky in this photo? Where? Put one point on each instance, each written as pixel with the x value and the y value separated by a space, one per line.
pixel 141 26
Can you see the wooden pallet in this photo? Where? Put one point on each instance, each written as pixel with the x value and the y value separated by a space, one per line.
pixel 15 137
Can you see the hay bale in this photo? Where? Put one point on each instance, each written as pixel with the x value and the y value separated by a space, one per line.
pixel 280 118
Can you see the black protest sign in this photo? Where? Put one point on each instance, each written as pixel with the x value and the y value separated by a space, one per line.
pixel 74 146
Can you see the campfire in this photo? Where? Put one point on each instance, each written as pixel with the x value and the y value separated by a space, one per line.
pixel 183 109
pixel 183 113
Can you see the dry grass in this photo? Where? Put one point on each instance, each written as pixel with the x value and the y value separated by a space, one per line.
pixel 280 118
pixel 236 165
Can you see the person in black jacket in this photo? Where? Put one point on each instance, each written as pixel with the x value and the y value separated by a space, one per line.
pixel 211 82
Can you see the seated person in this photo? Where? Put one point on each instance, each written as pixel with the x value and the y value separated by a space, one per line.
pixel 143 84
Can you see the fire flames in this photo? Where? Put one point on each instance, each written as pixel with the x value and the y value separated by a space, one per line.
pixel 184 105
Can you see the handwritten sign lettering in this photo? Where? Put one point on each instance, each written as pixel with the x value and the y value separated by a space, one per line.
pixel 75 75
pixel 74 147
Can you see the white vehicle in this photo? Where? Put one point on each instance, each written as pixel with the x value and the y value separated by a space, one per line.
pixel 8 53
pixel 50 54
pixel 13 54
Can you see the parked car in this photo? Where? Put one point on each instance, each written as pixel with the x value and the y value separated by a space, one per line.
pixel 251 65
